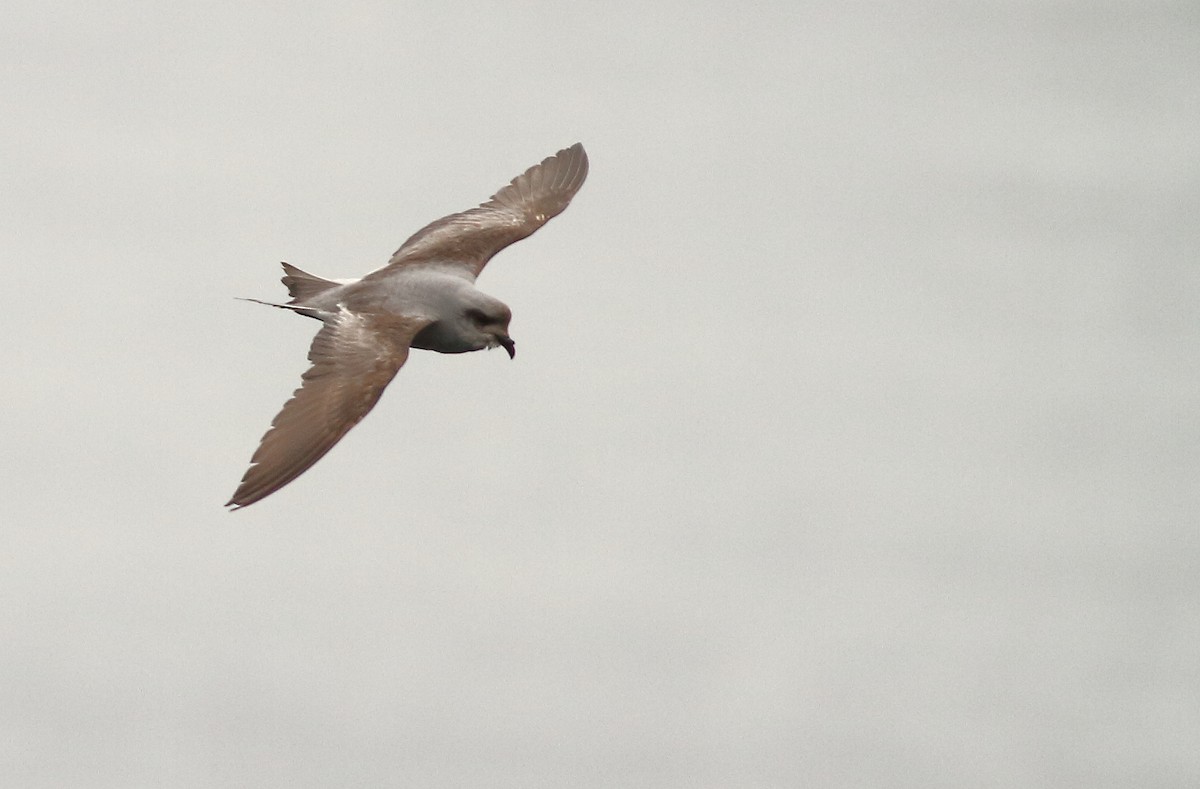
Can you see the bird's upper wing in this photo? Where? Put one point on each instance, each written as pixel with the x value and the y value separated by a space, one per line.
pixel 471 238
pixel 354 356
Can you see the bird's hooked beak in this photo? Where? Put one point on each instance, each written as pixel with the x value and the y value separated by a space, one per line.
pixel 507 344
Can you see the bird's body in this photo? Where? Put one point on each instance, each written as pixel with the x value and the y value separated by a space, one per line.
pixel 425 297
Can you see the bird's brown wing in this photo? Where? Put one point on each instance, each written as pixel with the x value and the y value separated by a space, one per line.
pixel 354 357
pixel 472 237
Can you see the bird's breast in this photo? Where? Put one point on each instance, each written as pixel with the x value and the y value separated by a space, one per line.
pixel 444 337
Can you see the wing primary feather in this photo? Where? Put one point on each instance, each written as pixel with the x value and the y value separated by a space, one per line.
pixel 354 358
pixel 470 238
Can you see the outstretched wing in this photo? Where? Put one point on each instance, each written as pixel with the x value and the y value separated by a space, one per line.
pixel 354 357
pixel 472 237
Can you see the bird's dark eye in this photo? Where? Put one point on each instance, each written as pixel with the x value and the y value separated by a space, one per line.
pixel 477 315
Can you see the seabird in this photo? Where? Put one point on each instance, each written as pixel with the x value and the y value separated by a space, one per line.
pixel 425 297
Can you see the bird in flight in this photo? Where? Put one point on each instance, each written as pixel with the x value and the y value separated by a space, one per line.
pixel 425 297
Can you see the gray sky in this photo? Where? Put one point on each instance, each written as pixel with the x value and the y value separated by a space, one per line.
pixel 852 441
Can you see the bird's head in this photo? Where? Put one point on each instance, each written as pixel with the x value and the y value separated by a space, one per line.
pixel 491 319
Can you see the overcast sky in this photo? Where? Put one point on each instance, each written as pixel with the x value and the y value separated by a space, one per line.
pixel 853 439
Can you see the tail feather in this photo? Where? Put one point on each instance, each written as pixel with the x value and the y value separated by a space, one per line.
pixel 301 285
pixel 308 312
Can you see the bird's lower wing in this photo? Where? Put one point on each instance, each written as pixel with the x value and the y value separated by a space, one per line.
pixel 354 357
